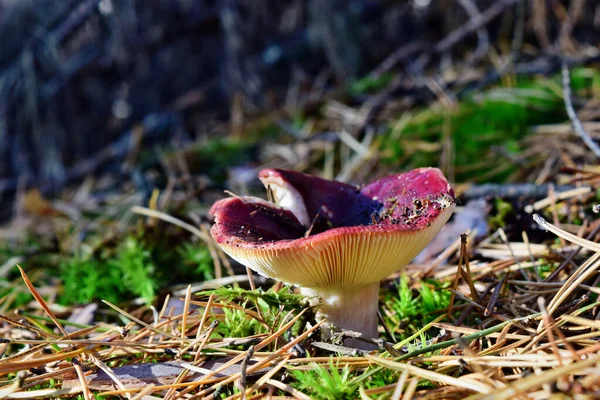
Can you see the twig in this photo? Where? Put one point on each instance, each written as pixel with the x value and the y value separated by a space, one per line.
pixel 577 125
pixel 494 297
pixel 244 367
pixel 401 53
pixel 483 40
pixel 518 30
pixel 504 239
pixel 334 348
pixel 386 328
pixel 540 19
pixel 474 23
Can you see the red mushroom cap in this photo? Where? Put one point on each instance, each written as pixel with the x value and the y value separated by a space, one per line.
pixel 362 235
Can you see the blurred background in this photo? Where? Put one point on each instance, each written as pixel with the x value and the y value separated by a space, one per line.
pixel 85 84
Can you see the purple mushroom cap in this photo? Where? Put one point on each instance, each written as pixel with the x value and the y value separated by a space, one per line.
pixel 320 233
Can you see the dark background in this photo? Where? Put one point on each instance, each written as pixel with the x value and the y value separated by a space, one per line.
pixel 77 75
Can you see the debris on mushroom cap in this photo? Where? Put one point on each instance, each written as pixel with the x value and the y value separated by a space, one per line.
pixel 407 210
pixel 412 198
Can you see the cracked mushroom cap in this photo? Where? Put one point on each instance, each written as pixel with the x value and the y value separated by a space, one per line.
pixel 321 233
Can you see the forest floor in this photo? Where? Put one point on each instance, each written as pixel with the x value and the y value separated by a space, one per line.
pixel 115 289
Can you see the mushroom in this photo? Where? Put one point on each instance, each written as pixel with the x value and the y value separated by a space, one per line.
pixel 336 241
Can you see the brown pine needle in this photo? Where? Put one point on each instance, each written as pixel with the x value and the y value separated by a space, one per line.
pixel 42 302
pixel 84 388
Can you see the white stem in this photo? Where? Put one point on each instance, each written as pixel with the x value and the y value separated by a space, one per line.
pixel 353 308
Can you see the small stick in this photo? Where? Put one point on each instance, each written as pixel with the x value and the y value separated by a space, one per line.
pixel 577 125
pixel 465 258
pixel 504 239
pixel 467 311
pixel 386 328
pixel 244 366
pixel 546 321
pixel 474 24
pixel 82 382
pixel 483 39
pixel 494 297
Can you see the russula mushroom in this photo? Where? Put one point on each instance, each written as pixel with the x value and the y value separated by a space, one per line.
pixel 334 240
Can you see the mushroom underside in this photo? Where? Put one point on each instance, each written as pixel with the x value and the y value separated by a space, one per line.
pixel 347 256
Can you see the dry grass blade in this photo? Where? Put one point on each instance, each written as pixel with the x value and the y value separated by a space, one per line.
pixel 289 389
pixel 138 321
pixel 105 368
pixel 566 235
pixel 400 385
pixel 411 389
pixel 172 220
pixel 464 339
pixel 273 356
pixel 186 308
pixel 263 380
pixel 567 194
pixel 585 271
pixel 38 362
pixel 42 302
pixel 144 392
pixel 15 386
pixel 84 388
pixel 44 393
pixel 265 342
pixel 432 376
pixel 521 386
pixel 584 322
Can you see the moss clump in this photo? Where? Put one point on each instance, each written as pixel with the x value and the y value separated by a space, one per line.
pixel 409 309
pixel 501 211
pixel 129 272
pixel 327 383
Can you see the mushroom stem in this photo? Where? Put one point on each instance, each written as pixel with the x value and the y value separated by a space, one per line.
pixel 349 307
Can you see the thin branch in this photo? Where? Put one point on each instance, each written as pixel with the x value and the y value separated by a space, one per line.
pixel 473 25
pixel 483 39
pixel 577 125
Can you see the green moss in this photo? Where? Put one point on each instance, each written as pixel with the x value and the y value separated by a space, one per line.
pixel 484 128
pixel 502 209
pixel 198 259
pixel 378 377
pixel 131 266
pixel 238 324
pixel 326 383
pixel 129 273
pixel 136 267
pixel 284 298
pixel 270 305
pixel 86 279
pixel 411 309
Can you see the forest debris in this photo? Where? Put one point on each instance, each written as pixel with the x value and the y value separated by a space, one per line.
pixel 541 204
pixel 162 373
